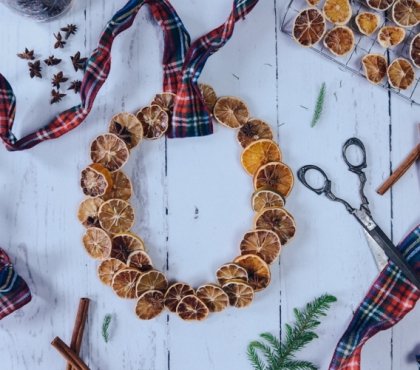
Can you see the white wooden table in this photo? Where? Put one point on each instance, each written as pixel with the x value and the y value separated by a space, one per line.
pixel 205 192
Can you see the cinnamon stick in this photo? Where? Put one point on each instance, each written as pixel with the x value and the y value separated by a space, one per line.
pixel 79 327
pixel 69 354
pixel 400 170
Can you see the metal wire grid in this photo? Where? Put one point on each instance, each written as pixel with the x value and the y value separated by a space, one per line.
pixel 363 45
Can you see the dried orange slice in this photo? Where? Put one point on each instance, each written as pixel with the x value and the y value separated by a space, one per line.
pixel 124 282
pixel 97 243
pixel 254 130
pixel 266 198
pixel 367 22
pixel 380 4
pixel 313 2
pixel 209 96
pixel 309 27
pixel 151 280
pixel 121 187
pixel 175 293
pixel 155 121
pixel 274 176
pixel 278 220
pixel 128 128
pixel 231 271
pixel 140 260
pixel 149 305
pixel 415 50
pixel 259 275
pixel 88 212
pixel 240 294
pixel 191 308
pixel 401 74
pixel 339 40
pixel 110 151
pixel 108 268
pixel 213 296
pixel 116 216
pixel 166 101
pixel 258 153
pixel 263 243
pixel 95 180
pixel 406 13
pixel 124 244
pixel 338 12
pixel 375 67
pixel 231 112
pixel 390 36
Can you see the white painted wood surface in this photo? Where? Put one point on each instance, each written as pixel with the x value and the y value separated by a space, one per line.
pixel 40 196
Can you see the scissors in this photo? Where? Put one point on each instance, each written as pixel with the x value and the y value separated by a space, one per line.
pixel 380 245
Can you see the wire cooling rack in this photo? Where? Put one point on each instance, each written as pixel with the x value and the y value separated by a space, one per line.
pixel 363 45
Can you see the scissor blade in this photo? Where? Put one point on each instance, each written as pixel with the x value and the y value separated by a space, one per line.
pixel 378 254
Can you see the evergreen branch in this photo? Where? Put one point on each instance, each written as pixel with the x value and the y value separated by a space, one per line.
pixel 269 354
pixel 299 365
pixel 319 106
pixel 105 327
pixel 255 360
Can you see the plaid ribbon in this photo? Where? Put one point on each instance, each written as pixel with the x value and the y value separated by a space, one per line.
pixel 14 293
pixel 180 74
pixel 389 299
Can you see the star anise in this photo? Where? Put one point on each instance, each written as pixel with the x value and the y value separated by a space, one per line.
pixel 70 29
pixel 27 54
pixel 60 42
pixel 52 61
pixel 78 63
pixel 75 86
pixel 56 96
pixel 58 79
pixel 35 69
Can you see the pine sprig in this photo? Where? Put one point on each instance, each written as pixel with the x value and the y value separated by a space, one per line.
pixel 105 327
pixel 281 355
pixel 319 106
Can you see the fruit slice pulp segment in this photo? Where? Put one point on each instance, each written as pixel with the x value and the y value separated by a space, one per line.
pixel 231 271
pixel 140 260
pixel 406 13
pixel 258 271
pixel 231 112
pixel 415 50
pixel 165 101
pixel 254 130
pixel 390 36
pixel 88 212
pixel 110 151
pixel 274 176
pixel 367 22
pixel 263 198
pixel 149 305
pixel 155 121
pixel 95 180
pixel 191 308
pixel 277 220
pixel 108 268
pixel 175 293
pixel 264 243
pixel 116 216
pixel 128 128
pixel 209 96
pixel 151 280
pixel 258 153
pixel 213 296
pixel 240 294
pixel 337 11
pixel 309 27
pixel 375 67
pixel 380 4
pixel 97 243
pixel 339 40
pixel 124 283
pixel 124 244
pixel 121 187
pixel 401 74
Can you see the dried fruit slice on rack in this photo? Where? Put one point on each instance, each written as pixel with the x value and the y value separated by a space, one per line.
pixel 263 243
pixel 121 187
pixel 151 280
pixel 390 36
pixel 95 180
pixel 258 153
pixel 108 268
pixel 155 121
pixel 97 243
pixel 124 283
pixel 415 50
pixel 375 67
pixel 213 296
pixel 209 96
pixel 309 27
pixel 116 216
pixel 313 2
pixel 128 128
pixel 401 74
pixel 124 244
pixel 231 271
pixel 339 40
pixel 110 151
pixel 367 22
pixel 254 130
pixel 191 308
pixel 88 212
pixel 240 293
pixel 274 176
pixel 406 13
pixel 259 275
pixel 175 293
pixel 266 198
pixel 381 5
pixel 337 12
pixel 149 305
pixel 166 101
pixel 278 220
pixel 140 260
pixel 231 112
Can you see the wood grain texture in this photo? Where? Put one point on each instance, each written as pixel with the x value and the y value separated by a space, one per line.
pixel 192 197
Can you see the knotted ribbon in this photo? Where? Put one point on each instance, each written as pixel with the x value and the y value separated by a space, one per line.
pixel 182 66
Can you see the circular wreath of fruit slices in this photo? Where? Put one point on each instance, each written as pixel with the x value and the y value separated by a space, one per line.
pixel 108 216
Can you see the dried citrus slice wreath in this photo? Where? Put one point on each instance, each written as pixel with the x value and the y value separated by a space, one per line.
pixel 108 216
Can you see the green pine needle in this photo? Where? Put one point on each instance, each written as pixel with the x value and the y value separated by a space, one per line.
pixel 105 327
pixel 281 355
pixel 319 106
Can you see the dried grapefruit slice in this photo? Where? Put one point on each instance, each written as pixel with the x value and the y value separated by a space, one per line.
pixel 259 275
pixel 151 280
pixel 401 74
pixel 88 212
pixel 337 12
pixel 380 4
pixel 375 67
pixel 155 121
pixel 339 40
pixel 274 176
pixel 231 271
pixel 175 293
pixel 128 128
pixel 213 296
pixel 125 243
pixel 309 27
pixel 367 22
pixel 97 243
pixel 124 282
pixel 278 220
pixel 191 308
pixel 166 101
pixel 240 293
pixel 406 13
pixel 258 153
pixel 254 130
pixel 263 243
pixel 110 151
pixel 116 216
pixel 95 180
pixel 209 96
pixel 231 112
pixel 140 260
pixel 266 198
pixel 108 268
pixel 415 50
pixel 149 305
pixel 121 187
pixel 390 36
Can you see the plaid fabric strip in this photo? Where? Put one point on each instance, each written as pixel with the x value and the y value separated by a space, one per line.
pixel 14 292
pixel 191 116
pixel 389 299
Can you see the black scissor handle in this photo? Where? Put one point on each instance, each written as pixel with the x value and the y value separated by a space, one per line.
pixel 324 188
pixel 354 141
